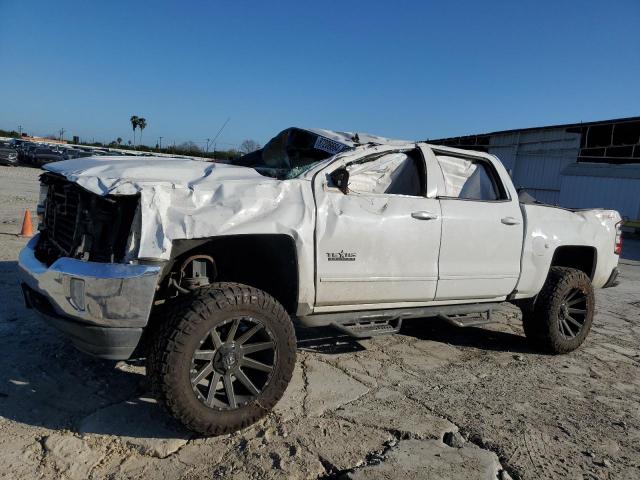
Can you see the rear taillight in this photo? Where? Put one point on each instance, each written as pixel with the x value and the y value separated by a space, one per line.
pixel 618 245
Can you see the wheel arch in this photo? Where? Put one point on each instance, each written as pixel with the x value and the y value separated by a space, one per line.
pixel 580 257
pixel 265 261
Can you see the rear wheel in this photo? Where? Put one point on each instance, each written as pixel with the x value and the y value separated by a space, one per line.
pixel 224 358
pixel 561 317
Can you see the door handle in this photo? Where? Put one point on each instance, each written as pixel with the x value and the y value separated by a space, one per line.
pixel 510 221
pixel 424 215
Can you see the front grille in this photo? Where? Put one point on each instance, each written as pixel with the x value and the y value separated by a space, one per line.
pixel 61 217
pixel 81 224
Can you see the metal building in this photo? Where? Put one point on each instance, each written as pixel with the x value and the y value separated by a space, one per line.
pixel 580 165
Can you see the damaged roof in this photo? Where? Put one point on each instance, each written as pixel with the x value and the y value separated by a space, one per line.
pixel 354 139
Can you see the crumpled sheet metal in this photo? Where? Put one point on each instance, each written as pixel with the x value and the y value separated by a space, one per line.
pixel 185 199
pixel 125 175
pixel 349 138
pixel 171 213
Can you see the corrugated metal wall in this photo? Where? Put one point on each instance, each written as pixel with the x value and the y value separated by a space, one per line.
pixel 536 158
pixel 622 194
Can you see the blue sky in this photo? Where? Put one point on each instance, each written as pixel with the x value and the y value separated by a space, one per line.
pixel 402 69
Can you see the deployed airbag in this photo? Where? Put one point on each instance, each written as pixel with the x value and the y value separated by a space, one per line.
pixel 394 173
pixel 464 178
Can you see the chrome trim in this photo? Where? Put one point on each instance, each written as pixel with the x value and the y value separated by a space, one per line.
pixel 115 295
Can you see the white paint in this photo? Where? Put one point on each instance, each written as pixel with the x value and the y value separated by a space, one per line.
pixel 548 228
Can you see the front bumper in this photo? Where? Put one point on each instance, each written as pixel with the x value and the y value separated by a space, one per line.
pixel 101 307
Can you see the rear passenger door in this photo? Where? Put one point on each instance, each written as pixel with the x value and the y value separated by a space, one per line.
pixel 482 228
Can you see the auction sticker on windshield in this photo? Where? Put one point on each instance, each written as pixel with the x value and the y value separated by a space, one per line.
pixel 328 146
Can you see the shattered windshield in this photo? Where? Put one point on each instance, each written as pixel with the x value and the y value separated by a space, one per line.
pixel 291 153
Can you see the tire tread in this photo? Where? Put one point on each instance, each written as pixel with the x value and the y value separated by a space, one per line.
pixel 181 320
pixel 540 323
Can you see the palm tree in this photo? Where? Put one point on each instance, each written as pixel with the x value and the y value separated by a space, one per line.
pixel 134 123
pixel 118 140
pixel 142 124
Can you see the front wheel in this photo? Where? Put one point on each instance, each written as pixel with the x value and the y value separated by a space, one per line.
pixel 223 358
pixel 562 314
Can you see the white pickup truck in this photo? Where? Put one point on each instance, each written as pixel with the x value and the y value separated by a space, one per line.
pixel 204 268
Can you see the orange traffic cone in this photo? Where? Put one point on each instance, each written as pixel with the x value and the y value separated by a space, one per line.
pixel 27 226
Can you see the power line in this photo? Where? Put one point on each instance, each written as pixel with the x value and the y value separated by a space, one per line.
pixel 218 134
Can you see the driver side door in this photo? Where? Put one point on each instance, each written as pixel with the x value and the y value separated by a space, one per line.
pixel 374 248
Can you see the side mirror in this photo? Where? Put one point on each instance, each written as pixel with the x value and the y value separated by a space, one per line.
pixel 340 179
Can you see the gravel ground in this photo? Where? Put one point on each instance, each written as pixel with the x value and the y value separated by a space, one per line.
pixel 367 409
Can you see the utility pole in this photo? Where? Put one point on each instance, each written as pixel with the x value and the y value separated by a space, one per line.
pixel 20 129
pixel 160 143
pixel 218 134
pixel 61 132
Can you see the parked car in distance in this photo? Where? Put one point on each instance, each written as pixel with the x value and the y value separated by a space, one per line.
pixel 45 155
pixel 25 154
pixel 8 155
pixel 70 153
pixel 18 143
pixel 38 154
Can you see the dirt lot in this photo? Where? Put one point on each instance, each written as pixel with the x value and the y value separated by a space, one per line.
pixel 369 409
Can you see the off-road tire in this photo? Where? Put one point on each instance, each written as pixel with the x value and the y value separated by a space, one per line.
pixel 541 322
pixel 185 322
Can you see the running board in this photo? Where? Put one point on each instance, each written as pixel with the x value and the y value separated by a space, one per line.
pixel 363 328
pixel 468 320
pixel 450 313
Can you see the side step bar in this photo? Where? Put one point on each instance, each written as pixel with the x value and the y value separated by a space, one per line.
pixel 363 324
pixel 372 328
pixel 467 320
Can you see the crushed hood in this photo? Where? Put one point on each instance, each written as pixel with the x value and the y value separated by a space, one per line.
pixel 182 198
pixel 130 174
